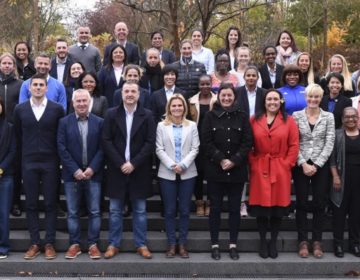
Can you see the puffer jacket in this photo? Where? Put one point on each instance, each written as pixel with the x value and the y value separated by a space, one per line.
pixel 9 92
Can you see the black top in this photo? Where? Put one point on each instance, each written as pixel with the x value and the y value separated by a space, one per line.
pixel 203 110
pixel 352 149
pixel 311 126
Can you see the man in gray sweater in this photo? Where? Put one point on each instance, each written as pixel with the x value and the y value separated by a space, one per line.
pixel 85 52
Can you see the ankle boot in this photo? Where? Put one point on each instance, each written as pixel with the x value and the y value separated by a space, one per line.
pixel 200 210
pixel 263 250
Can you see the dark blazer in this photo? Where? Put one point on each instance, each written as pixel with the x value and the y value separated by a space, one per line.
pixel 132 53
pixel 108 84
pixel 243 102
pixel 265 76
pixel 167 56
pixel 226 135
pixel 139 183
pixel 53 70
pixel 144 98
pixel 69 143
pixel 37 139
pixel 159 101
pixel 341 102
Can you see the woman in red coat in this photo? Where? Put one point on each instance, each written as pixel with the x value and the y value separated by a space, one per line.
pixel 276 147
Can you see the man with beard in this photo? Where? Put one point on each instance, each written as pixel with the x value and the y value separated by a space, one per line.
pixel 60 64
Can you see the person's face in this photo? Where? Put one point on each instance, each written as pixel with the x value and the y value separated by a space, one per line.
pixel 336 65
pixel 169 79
pixel 130 94
pixel 83 35
pixel 226 98
pixel 132 76
pixel 197 38
pixel 222 63
pixel 272 102
pixel 38 88
pixel 7 65
pixel 313 100
pixel 177 108
pixel 205 85
pixel 285 40
pixel 251 77
pixel 118 55
pixel 186 50
pixel 292 78
pixel 233 37
pixel 152 58
pixel 350 119
pixel 88 83
pixel 121 31
pixel 334 86
pixel 42 65
pixel 61 49
pixel 76 70
pixel 270 55
pixel 243 57
pixel 304 62
pixel 81 103
pixel 157 41
pixel 21 52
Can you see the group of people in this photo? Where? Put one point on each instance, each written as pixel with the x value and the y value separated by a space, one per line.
pixel 207 117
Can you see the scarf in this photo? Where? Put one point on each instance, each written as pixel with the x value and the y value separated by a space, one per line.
pixel 284 54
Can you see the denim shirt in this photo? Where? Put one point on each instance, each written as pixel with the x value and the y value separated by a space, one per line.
pixel 177 140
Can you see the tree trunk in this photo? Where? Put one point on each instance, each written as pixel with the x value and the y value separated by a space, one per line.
pixel 36 27
pixel 173 8
pixel 325 29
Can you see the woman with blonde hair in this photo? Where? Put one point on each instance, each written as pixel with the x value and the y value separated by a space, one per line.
pixel 337 63
pixel 177 145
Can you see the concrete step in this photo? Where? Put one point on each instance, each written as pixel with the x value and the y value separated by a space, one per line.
pixel 198 241
pixel 250 265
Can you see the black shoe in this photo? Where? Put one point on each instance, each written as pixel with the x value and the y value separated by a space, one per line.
pixel 234 255
pixel 215 253
pixel 273 253
pixel 338 251
pixel 60 213
pixel 263 251
pixel 15 210
pixel 355 250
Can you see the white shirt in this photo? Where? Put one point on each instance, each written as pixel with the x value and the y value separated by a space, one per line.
pixel 118 72
pixel 169 92
pixel 205 56
pixel 129 121
pixel 251 95
pixel 272 75
pixel 79 45
pixel 38 110
pixel 60 69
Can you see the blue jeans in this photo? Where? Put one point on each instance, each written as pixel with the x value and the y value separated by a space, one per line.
pixel 139 221
pixel 6 192
pixel 73 192
pixel 172 191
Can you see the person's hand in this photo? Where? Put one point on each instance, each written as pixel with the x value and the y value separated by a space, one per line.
pixel 337 183
pixel 79 175
pixel 88 173
pixel 308 169
pixel 226 164
pixel 127 168
pixel 177 169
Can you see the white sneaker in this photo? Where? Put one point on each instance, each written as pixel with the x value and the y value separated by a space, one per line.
pixel 243 210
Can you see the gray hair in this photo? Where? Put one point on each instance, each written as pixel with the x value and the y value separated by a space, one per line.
pixel 80 90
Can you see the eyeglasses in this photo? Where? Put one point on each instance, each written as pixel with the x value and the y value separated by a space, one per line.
pixel 355 117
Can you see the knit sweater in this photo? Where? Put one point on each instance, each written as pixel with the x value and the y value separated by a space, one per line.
pixel 89 57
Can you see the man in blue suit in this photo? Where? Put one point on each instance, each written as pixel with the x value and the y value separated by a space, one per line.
pixel 121 32
pixel 78 141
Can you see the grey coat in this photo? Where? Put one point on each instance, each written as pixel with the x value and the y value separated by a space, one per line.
pixel 337 160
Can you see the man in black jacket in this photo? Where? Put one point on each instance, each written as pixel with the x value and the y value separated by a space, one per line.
pixel 36 122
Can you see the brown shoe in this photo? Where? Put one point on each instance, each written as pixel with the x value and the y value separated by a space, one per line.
pixel 200 210
pixel 94 252
pixel 50 252
pixel 183 252
pixel 144 252
pixel 73 251
pixel 32 252
pixel 171 252
pixel 304 249
pixel 207 208
pixel 317 250
pixel 111 251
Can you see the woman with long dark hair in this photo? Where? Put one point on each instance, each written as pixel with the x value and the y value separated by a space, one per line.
pixel 232 42
pixel 287 51
pixel 24 63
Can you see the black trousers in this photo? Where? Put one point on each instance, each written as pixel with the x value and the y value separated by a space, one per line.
pixel 45 174
pixel 216 192
pixel 319 184
pixel 350 205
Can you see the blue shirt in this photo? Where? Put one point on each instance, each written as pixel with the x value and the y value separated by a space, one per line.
pixel 177 130
pixel 294 98
pixel 56 92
